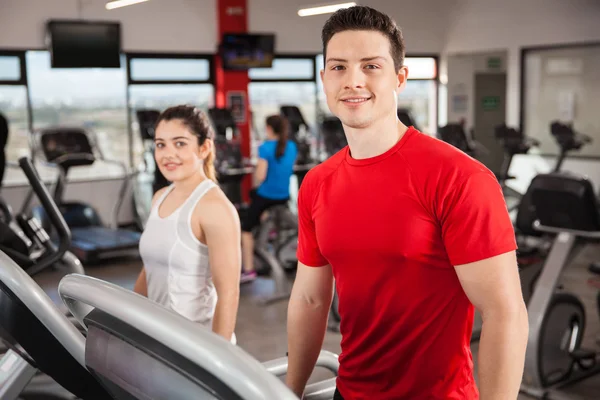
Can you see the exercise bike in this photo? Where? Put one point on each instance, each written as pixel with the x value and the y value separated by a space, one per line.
pixel 566 207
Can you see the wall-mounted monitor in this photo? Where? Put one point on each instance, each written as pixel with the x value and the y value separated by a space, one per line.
pixel 244 51
pixel 84 44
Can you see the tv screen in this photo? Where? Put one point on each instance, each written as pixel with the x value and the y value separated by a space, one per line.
pixel 84 44
pixel 244 51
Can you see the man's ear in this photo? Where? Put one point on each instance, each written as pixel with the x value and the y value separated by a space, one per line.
pixel 402 78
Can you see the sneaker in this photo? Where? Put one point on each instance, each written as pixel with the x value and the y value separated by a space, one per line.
pixel 248 276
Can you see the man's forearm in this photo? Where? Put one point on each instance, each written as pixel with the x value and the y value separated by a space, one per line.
pixel 502 355
pixel 225 316
pixel 307 324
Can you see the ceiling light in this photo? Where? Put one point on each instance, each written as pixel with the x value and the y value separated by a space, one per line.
pixel 122 3
pixel 323 9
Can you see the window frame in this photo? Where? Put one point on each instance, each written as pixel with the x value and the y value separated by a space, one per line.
pixel 292 56
pixel 20 54
pixel 174 56
pixel 523 82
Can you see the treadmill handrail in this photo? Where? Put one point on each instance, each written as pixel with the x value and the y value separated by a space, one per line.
pixel 585 234
pixel 40 304
pixel 326 359
pixel 201 346
pixel 53 213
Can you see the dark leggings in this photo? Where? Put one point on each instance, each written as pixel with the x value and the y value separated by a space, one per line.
pixel 258 205
pixel 337 395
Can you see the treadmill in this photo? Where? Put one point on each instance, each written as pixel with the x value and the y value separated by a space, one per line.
pixel 298 133
pixel 138 349
pixel 92 240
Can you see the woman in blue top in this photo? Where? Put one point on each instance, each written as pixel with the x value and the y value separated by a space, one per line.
pixel 276 159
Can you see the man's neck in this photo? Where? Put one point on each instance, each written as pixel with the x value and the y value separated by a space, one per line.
pixel 374 140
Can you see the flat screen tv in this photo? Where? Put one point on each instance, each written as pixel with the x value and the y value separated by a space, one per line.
pixel 84 44
pixel 243 51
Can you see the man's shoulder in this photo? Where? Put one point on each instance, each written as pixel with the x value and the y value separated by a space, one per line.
pixel 320 172
pixel 431 158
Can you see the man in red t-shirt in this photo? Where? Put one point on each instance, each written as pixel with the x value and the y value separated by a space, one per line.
pixel 416 235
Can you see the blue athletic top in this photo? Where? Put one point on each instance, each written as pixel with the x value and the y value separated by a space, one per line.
pixel 276 185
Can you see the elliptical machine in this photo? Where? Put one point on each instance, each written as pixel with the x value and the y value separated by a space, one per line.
pixel 513 142
pixel 565 206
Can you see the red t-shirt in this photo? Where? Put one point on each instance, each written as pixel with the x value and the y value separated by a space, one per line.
pixel 393 227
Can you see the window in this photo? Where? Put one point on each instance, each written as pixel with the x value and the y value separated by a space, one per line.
pixel 561 84
pixel 419 96
pixel 285 69
pixel 10 68
pixel 291 81
pixel 169 69
pixel 160 97
pixel 13 106
pixel 160 81
pixel 92 98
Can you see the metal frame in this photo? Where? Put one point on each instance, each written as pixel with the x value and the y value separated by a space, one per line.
pixel 524 53
pixel 226 361
pixel 38 302
pixel 559 256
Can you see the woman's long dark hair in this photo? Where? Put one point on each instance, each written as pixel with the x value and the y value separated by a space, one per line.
pixel 279 126
pixel 198 123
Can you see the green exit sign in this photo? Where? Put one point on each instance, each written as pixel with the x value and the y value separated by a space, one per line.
pixel 491 103
pixel 494 62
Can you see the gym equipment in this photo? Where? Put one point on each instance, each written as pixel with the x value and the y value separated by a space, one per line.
pixel 148 178
pixel 568 140
pixel 299 133
pixel 565 205
pixel 405 116
pixel 334 138
pixel 165 355
pixel 39 335
pixel 229 164
pixel 513 142
pixel 65 148
pixel 275 246
pixel 454 134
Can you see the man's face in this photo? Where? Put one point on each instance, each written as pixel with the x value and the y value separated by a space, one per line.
pixel 359 79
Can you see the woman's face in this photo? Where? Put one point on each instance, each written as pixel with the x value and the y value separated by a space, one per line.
pixel 177 153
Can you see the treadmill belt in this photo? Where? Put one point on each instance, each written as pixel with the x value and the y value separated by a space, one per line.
pixel 96 237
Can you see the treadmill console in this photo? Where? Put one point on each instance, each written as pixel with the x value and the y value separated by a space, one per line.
pixel 297 124
pixel 67 147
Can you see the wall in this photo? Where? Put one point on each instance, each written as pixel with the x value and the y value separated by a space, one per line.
pixel 190 25
pixel 157 25
pixel 462 69
pixel 423 23
pixel 484 25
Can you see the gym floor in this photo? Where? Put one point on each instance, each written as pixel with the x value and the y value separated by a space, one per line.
pixel 261 330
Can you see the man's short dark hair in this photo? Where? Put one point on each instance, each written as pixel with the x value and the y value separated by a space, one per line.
pixel 359 18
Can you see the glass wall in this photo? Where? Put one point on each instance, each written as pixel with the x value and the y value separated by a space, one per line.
pixel 562 84
pixel 160 81
pixel 13 105
pixel 92 98
pixel 291 81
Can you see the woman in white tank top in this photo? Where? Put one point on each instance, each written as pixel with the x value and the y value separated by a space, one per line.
pixel 190 246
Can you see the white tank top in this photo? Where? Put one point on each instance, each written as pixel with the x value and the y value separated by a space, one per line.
pixel 176 262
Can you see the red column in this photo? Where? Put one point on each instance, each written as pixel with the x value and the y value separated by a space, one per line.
pixel 233 18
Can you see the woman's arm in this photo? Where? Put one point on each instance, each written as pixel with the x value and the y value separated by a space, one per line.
pixel 220 223
pixel 141 286
pixel 260 173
